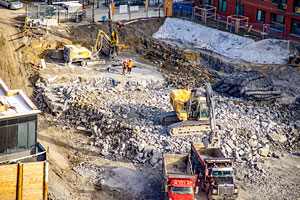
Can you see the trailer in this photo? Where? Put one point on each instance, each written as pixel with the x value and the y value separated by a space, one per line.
pixel 215 172
pixel 178 178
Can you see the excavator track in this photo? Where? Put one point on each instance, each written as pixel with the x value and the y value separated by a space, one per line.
pixel 189 128
pixel 169 118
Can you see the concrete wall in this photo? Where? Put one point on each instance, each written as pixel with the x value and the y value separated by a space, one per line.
pixel 24 181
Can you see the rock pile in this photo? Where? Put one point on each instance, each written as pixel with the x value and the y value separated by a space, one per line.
pixel 125 121
pixel 252 85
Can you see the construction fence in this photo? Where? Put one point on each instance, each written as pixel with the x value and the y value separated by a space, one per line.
pixel 92 11
pixel 52 15
pixel 24 181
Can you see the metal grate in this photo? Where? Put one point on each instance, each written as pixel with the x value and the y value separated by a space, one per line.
pixel 226 190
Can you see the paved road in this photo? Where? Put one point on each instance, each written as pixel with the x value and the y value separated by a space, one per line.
pixel 103 11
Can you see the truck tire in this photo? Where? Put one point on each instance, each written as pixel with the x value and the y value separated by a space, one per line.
pixel 83 63
pixel 78 19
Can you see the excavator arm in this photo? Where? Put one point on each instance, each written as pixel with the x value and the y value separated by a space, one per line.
pixel 112 42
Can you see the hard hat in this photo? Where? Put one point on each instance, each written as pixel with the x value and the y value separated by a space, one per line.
pixel 125 61
pixel 130 59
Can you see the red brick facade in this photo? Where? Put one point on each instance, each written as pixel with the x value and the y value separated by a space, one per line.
pixel 251 7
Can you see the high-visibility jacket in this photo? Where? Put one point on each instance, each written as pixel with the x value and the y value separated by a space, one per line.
pixel 130 64
pixel 125 65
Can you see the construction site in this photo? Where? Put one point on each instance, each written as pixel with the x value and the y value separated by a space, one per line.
pixel 146 100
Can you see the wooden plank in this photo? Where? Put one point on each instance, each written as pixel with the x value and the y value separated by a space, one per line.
pixel 6 169
pixel 33 194
pixel 10 196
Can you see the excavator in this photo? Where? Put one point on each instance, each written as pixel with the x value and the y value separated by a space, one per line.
pixel 76 53
pixel 193 111
pixel 112 40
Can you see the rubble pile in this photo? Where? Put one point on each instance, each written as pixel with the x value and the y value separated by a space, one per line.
pixel 252 85
pixel 125 121
pixel 185 68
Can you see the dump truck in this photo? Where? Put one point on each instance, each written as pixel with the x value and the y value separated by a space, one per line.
pixel 214 170
pixel 193 111
pixel 178 180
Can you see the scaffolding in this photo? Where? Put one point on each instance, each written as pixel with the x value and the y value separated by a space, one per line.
pixel 237 21
pixel 205 12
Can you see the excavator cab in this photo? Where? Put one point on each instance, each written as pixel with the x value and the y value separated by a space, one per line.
pixel 193 111
pixel 196 106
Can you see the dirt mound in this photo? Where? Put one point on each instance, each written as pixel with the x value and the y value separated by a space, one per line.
pixel 13 68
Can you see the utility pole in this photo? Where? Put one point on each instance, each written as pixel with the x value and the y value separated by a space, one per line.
pixel 93 11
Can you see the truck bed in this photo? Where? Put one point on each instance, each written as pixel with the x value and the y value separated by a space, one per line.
pixel 207 153
pixel 176 164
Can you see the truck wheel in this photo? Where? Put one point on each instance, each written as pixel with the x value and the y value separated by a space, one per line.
pixel 83 63
pixel 78 19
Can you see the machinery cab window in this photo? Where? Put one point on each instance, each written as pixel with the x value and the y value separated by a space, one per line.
pixel 203 110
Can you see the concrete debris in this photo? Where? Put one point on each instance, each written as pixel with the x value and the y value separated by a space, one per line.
pixel 252 85
pixel 125 123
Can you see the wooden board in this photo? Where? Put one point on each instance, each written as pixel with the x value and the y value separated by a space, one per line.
pixel 32 181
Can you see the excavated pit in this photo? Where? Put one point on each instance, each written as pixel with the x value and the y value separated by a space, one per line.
pixel 121 114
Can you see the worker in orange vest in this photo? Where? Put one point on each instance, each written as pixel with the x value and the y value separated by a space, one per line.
pixel 124 66
pixel 130 66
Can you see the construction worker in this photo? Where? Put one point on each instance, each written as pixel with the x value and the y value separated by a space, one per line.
pixel 130 66
pixel 124 66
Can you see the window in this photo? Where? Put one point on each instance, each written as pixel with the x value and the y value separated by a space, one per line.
pixel 282 5
pixel 182 190
pixel 222 5
pixel 17 134
pixel 277 22
pixel 275 1
pixel 239 11
pixel 297 7
pixel 296 27
pixel 261 16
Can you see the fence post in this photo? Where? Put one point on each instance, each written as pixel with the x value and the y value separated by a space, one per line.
pixel 46 166
pixel 20 181
pixel 129 12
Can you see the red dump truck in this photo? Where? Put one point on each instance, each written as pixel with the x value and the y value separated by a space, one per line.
pixel 178 180
pixel 215 172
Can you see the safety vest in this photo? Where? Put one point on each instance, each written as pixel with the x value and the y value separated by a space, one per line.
pixel 125 65
pixel 130 64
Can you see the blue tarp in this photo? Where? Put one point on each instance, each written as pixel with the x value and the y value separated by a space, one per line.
pixel 186 8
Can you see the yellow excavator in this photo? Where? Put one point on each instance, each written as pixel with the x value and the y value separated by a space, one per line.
pixel 193 111
pixel 112 40
pixel 76 53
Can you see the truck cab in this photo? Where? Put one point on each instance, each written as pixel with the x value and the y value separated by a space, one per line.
pixel 178 179
pixel 181 189
pixel 215 172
